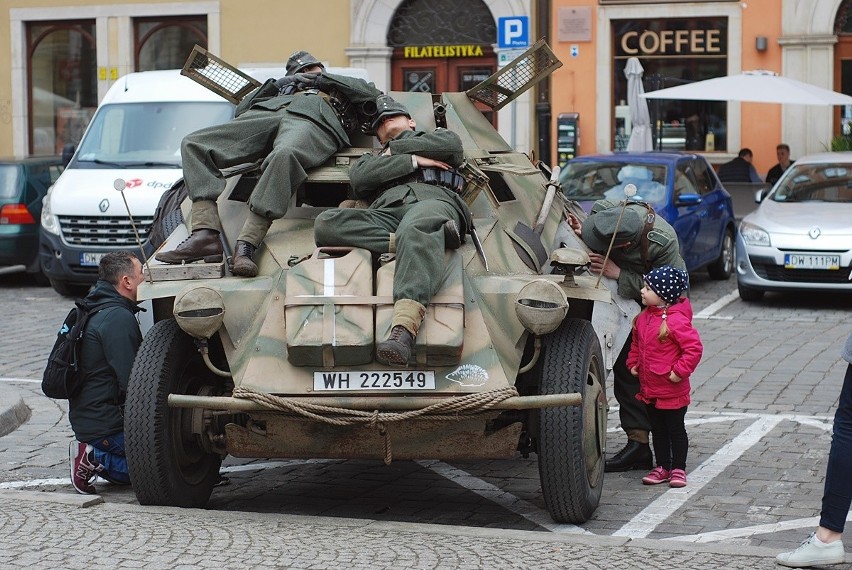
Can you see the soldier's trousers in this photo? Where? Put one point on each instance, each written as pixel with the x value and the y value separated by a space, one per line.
pixel 287 144
pixel 631 412
pixel 419 229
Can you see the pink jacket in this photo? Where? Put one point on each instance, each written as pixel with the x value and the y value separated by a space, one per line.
pixel 680 353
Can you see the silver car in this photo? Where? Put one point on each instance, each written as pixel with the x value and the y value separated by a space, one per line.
pixel 800 237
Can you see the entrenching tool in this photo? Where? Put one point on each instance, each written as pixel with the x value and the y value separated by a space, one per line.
pixel 531 236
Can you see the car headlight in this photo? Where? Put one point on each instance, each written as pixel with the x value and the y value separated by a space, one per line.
pixel 754 235
pixel 49 222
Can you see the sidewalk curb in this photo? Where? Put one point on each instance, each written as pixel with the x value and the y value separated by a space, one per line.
pixel 12 418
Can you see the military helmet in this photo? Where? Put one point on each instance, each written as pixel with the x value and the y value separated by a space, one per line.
pixel 387 106
pixel 300 60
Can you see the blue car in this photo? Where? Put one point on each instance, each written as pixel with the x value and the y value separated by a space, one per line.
pixel 681 187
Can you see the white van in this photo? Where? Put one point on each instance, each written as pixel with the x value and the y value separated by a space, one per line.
pixel 135 135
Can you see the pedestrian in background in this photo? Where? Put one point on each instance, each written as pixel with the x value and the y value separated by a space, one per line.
pixel 782 151
pixel 740 169
pixel 664 353
pixel 824 546
pixel 107 351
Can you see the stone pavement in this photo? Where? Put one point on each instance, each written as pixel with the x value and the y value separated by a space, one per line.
pixel 44 531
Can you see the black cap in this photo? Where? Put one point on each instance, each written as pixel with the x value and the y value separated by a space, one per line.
pixel 300 60
pixel 387 106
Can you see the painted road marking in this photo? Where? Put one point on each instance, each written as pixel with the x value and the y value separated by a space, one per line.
pixel 745 532
pixel 710 311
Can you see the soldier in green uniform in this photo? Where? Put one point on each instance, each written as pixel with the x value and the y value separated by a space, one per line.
pixel 643 241
pixel 417 214
pixel 291 124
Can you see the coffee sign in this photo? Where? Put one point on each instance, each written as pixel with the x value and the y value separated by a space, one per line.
pixel 671 38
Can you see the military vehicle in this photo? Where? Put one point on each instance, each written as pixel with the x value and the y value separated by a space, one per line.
pixel 511 359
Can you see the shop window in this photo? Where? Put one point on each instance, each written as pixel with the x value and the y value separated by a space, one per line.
pixel 62 83
pixel 441 22
pixel 673 52
pixel 165 43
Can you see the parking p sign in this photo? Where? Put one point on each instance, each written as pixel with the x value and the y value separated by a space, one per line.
pixel 513 32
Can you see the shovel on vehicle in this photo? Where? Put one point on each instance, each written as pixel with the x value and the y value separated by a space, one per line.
pixel 527 240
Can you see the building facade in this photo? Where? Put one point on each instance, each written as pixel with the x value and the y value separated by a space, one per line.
pixel 63 55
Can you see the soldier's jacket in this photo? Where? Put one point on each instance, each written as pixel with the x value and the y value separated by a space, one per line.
pixel 372 173
pixel 663 249
pixel 309 105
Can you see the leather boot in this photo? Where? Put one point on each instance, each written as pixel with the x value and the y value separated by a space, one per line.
pixel 244 264
pixel 634 455
pixel 396 350
pixel 201 244
pixel 452 238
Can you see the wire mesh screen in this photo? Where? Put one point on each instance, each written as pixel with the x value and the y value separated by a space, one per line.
pixel 522 73
pixel 217 76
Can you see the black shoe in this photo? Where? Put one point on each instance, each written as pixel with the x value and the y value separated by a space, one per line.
pixel 396 349
pixel 200 245
pixel 635 455
pixel 244 264
pixel 452 238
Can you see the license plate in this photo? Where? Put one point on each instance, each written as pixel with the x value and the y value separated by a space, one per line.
pixel 90 259
pixel 375 380
pixel 811 261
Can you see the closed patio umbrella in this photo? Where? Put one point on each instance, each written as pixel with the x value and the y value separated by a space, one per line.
pixel 640 135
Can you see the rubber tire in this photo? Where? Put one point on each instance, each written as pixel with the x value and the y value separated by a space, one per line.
pixel 167 464
pixel 69 290
pixel 723 267
pixel 570 456
pixel 749 294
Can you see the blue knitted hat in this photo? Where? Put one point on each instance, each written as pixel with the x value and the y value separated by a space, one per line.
pixel 667 282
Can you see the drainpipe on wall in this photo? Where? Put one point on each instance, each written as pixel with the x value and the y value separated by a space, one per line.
pixel 542 106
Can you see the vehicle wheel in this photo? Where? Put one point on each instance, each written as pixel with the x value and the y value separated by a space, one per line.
pixel 571 440
pixel 68 290
pixel 168 464
pixel 723 267
pixel 749 293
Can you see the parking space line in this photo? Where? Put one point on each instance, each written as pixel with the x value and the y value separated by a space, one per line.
pixel 749 531
pixel 644 523
pixel 710 311
pixel 500 497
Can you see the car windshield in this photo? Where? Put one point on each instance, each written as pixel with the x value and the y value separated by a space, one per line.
pixel 145 134
pixel 830 182
pixel 598 180
pixel 9 180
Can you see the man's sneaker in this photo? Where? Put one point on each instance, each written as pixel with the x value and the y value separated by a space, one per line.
pixel 812 552
pixel 677 479
pixel 656 476
pixel 396 350
pixel 83 468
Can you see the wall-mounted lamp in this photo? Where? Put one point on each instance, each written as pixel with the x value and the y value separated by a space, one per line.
pixel 761 43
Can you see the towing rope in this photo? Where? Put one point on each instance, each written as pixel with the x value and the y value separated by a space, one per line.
pixel 468 405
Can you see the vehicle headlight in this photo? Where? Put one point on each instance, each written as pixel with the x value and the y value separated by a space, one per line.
pixel 754 235
pixel 49 222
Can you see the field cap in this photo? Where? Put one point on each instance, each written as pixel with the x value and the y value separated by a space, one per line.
pixel 599 227
pixel 300 60
pixel 387 106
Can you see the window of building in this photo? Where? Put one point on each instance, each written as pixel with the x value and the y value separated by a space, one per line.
pixel 673 52
pixel 62 77
pixel 165 43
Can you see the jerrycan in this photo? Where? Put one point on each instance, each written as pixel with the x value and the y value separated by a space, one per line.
pixel 328 308
pixel 440 339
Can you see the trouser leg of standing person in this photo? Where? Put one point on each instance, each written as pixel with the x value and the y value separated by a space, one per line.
pixel 837 496
pixel 109 453
pixel 633 416
pixel 660 438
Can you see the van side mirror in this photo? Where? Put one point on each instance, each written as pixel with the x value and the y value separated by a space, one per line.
pixel 67 153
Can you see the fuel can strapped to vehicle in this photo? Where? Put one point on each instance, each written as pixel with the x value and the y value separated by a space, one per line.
pixel 328 308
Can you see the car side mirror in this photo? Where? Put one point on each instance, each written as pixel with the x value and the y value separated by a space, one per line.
pixel 688 200
pixel 67 153
pixel 760 195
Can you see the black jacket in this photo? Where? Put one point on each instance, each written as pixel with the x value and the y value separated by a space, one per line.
pixel 107 351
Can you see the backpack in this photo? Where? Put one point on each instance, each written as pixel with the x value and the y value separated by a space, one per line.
pixel 61 379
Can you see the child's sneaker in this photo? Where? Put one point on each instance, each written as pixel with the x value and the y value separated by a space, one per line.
pixel 83 469
pixel 656 476
pixel 678 478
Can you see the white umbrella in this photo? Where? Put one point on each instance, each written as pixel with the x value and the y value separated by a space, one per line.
pixel 640 135
pixel 754 86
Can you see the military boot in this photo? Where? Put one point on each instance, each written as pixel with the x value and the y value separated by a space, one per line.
pixel 244 264
pixel 396 350
pixel 452 238
pixel 202 244
pixel 634 455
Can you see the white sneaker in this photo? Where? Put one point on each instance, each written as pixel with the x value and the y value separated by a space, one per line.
pixel 811 553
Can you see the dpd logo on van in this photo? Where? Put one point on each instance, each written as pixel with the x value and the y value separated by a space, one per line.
pixel 104 205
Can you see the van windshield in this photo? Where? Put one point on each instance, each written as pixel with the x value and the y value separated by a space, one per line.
pixel 145 134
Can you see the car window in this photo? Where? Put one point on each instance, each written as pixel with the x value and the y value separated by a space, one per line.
pixel 704 181
pixel 607 179
pixel 683 182
pixel 830 182
pixel 9 180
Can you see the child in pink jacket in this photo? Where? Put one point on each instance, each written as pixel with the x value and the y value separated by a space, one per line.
pixel 665 351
